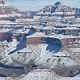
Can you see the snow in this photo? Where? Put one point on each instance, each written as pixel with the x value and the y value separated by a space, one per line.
pixel 46 75
pixel 69 13
pixel 60 36
pixel 39 54
pixel 58 13
pixel 37 34
pixel 42 74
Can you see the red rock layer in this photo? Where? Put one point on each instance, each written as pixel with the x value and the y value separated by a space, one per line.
pixel 34 40
pixel 68 40
pixel 4 36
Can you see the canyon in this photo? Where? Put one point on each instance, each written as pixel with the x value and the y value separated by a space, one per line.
pixel 38 44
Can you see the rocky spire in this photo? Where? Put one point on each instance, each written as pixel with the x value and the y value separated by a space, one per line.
pixel 2 2
pixel 58 3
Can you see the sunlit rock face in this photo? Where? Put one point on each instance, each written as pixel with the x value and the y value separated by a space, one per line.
pixel 2 2
pixel 8 11
pixel 4 36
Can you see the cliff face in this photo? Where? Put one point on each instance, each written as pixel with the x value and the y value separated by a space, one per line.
pixel 62 18
pixel 8 11
pixel 71 43
pixel 68 40
pixel 2 2
pixel 5 36
pixel 56 11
